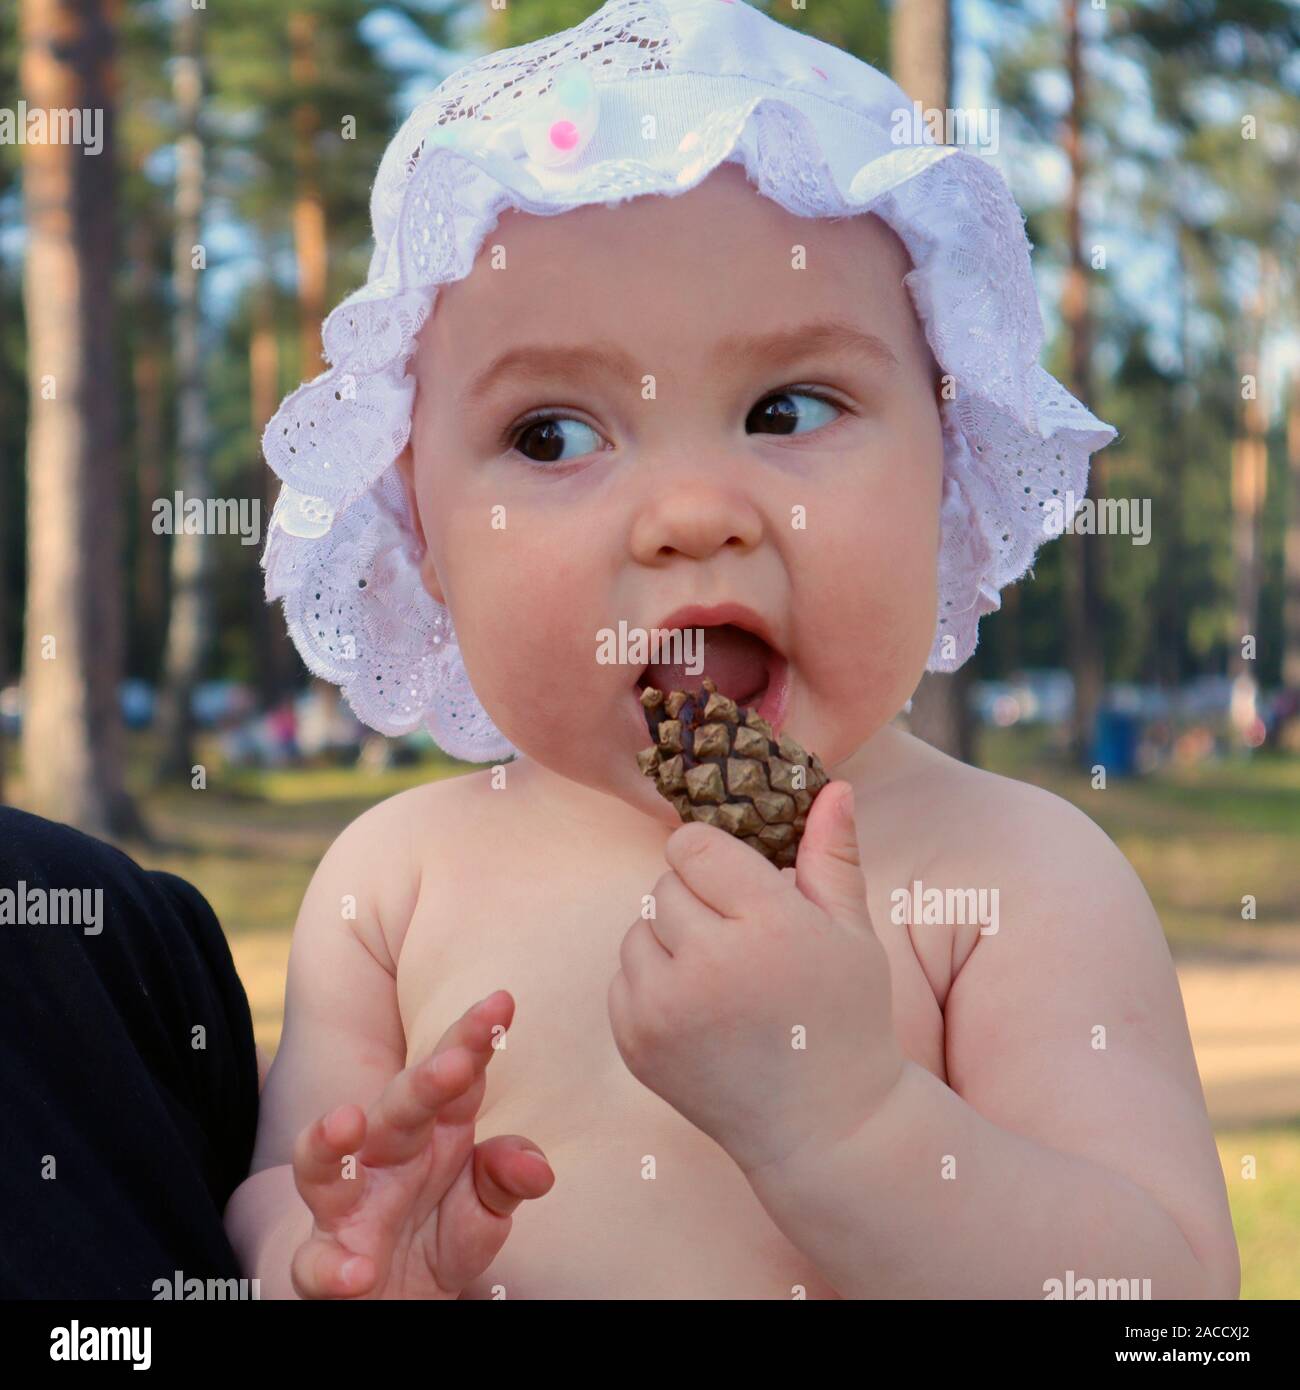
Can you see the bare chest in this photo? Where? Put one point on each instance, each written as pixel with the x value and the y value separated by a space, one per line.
pixel 644 1205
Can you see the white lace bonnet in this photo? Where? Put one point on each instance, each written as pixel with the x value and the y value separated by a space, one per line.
pixel 648 96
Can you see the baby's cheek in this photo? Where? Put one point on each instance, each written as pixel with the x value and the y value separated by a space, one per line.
pixel 520 617
pixel 869 595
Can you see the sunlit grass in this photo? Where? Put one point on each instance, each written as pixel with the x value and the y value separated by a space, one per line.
pixel 315 786
pixel 252 838
pixel 1265 1208
pixel 1201 838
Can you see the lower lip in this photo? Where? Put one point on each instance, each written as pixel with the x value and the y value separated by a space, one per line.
pixel 772 705
pixel 776 698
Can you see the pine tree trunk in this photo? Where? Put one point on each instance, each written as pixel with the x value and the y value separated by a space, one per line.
pixel 921 50
pixel 310 235
pixel 309 231
pixel 1291 547
pixel 275 665
pixel 188 626
pixel 921 57
pixel 1082 552
pixel 147 383
pixel 1010 628
pixel 1171 624
pixel 1249 481
pixel 72 739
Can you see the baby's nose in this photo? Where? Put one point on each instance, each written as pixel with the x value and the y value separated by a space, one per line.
pixel 693 516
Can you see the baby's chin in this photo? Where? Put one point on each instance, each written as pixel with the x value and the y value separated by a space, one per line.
pixel 836 726
pixel 590 780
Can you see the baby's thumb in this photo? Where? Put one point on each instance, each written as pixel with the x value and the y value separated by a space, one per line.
pixel 828 870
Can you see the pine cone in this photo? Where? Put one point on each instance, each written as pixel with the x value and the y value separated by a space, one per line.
pixel 719 764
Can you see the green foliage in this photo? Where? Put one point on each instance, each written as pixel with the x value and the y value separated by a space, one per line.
pixel 1169 83
pixel 860 27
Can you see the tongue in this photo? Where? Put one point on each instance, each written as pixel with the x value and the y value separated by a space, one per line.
pixel 735 660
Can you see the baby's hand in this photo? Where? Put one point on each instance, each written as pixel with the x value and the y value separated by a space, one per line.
pixel 757 1001
pixel 425 1209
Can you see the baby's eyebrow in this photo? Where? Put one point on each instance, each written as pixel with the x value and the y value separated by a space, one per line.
pixel 545 361
pixel 824 337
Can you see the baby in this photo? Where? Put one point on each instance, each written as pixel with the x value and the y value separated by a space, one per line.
pixel 816 435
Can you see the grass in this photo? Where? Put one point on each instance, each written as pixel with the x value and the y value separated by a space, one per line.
pixel 1201 838
pixel 1265 1207
pixel 252 839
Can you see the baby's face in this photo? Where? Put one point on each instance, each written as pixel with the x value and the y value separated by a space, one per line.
pixel 681 461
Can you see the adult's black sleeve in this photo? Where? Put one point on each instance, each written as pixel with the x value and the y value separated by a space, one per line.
pixel 128 1073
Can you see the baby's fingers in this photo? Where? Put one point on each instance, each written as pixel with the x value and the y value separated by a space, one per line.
pixel 402 1120
pixel 318 1170
pixel 509 1169
pixel 322 1268
pixel 474 1218
pixel 479 1026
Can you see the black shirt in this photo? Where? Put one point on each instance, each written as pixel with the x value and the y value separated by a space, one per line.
pixel 128 1073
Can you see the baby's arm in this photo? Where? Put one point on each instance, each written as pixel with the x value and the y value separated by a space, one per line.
pixel 344 1045
pixel 1057 1147
pixel 342 1040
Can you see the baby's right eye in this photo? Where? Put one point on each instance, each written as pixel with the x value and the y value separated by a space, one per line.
pixel 544 435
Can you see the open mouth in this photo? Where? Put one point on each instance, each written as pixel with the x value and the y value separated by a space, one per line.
pixel 741 663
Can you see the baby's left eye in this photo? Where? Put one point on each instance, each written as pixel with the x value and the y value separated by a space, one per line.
pixel 778 414
pixel 544 435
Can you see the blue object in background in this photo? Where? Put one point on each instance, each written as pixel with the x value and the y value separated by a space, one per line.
pixel 138 702
pixel 1115 742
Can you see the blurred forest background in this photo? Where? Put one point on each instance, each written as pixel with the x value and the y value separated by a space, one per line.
pixel 158 299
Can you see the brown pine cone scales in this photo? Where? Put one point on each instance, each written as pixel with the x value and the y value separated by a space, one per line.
pixel 718 763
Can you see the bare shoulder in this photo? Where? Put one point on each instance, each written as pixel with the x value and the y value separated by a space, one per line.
pixel 385 853
pixel 1037 851
pixel 418 806
pixel 989 807
pixel 438 805
pixel 1073 925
